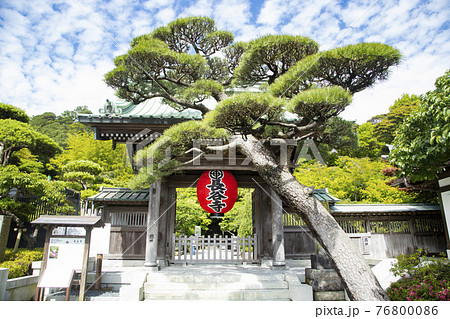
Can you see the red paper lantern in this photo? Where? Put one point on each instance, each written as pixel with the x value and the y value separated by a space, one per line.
pixel 217 191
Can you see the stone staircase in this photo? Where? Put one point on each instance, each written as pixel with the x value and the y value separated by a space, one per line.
pixel 222 282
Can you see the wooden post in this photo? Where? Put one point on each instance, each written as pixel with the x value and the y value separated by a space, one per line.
pixel 263 205
pixel 98 271
pixel 19 236
pixel 171 218
pixel 164 236
pixel 84 270
pixel 151 251
pixel 48 233
pixel 257 216
pixel 277 230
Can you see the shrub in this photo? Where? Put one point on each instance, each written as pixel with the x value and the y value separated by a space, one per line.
pixel 423 278
pixel 19 263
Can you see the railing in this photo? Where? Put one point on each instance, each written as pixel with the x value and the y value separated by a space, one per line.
pixel 133 219
pixel 42 208
pixel 199 249
pixel 294 220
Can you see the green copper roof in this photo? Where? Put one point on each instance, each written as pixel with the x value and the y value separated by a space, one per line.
pixel 112 194
pixel 152 109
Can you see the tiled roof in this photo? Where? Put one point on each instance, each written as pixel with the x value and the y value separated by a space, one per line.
pixel 113 194
pixel 148 110
pixel 324 196
pixel 384 208
pixel 110 194
pixel 95 221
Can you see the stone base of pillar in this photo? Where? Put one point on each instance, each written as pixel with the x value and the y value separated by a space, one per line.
pixel 278 264
pixel 151 264
pixel 163 263
pixel 151 267
pixel 266 262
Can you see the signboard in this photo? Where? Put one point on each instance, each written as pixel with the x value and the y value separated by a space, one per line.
pixel 64 256
pixel 217 191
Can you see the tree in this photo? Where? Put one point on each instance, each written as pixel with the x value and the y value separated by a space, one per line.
pixel 16 135
pixel 61 126
pixel 354 180
pixel 83 146
pixel 34 187
pixel 368 144
pixel 179 63
pixel 239 219
pixel 11 112
pixel 337 138
pixel 26 149
pixel 189 213
pixel 385 130
pixel 421 146
pixel 84 173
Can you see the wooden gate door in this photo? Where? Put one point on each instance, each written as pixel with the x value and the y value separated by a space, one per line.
pixel 200 249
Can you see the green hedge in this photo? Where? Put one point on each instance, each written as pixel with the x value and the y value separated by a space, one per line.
pixel 19 263
pixel 423 278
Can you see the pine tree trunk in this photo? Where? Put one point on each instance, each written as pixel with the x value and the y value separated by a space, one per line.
pixel 358 278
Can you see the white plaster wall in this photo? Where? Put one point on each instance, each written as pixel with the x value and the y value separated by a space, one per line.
pixel 100 240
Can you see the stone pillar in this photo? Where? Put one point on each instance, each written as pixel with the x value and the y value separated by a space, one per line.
pixel 151 246
pixel 5 223
pixel 325 281
pixel 277 230
pixel 3 282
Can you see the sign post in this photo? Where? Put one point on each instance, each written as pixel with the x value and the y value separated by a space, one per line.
pixel 66 251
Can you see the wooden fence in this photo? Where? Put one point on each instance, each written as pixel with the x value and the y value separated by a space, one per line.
pixel 200 249
pixel 377 236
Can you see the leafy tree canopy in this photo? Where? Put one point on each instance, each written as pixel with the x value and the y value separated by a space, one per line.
pixel 189 213
pixel 16 135
pixel 353 67
pixel 11 112
pixel 422 143
pixel 85 173
pixel 402 107
pixel 354 180
pixel 270 56
pixel 83 146
pixel 59 127
pixel 239 219
pixel 368 144
pixel 339 135
pixel 32 185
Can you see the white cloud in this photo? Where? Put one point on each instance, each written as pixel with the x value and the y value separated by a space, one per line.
pixel 232 15
pixel 54 56
pixel 199 8
pixel 272 12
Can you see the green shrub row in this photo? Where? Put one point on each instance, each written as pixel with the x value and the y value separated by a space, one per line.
pixel 19 263
pixel 422 278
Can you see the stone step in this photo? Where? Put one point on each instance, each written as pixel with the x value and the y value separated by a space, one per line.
pixel 244 295
pixel 212 278
pixel 240 285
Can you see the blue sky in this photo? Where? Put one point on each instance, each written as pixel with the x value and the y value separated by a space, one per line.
pixel 53 54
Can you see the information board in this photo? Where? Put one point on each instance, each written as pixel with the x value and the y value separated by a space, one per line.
pixel 64 256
